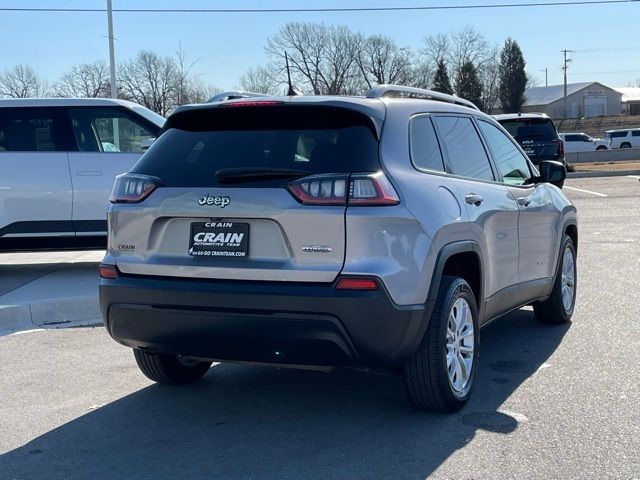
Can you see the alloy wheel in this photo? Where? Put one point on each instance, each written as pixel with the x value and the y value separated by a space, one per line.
pixel 460 345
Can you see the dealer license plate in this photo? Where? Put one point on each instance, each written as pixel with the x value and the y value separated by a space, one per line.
pixel 219 239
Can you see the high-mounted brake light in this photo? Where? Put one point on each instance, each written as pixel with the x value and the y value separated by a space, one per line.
pixel 360 189
pixel 354 283
pixel 258 103
pixel 108 271
pixel 132 188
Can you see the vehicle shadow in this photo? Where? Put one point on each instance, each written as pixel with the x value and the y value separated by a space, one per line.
pixel 263 423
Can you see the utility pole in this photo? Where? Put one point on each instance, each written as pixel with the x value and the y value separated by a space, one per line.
pixel 564 69
pixel 112 55
pixel 546 77
pixel 112 67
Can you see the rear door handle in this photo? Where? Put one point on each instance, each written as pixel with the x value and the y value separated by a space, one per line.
pixel 524 201
pixel 473 199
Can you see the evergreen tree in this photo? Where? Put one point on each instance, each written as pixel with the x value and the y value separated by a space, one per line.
pixel 441 82
pixel 513 79
pixel 468 85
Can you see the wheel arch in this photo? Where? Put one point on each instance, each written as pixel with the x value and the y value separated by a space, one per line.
pixel 571 229
pixel 462 259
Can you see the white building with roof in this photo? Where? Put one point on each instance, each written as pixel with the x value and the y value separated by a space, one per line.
pixel 630 100
pixel 586 99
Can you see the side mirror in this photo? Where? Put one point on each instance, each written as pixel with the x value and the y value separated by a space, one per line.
pixel 146 143
pixel 553 172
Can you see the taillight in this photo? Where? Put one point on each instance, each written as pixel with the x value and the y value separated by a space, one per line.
pixel 108 271
pixel 355 283
pixel 329 189
pixel 560 148
pixel 132 188
pixel 372 189
pixel 343 189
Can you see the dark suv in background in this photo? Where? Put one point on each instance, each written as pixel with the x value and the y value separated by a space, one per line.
pixel 536 134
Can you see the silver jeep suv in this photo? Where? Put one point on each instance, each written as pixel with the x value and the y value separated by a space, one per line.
pixel 370 232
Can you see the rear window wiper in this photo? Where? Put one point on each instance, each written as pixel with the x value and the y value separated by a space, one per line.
pixel 252 174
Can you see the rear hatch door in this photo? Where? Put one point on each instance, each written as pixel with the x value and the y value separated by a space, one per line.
pixel 224 209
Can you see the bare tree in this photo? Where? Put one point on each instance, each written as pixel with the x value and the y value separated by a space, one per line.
pixel 489 73
pixel 22 81
pixel 264 79
pixel 532 81
pixel 189 85
pixel 421 74
pixel 85 80
pixel 436 48
pixel 456 49
pixel 468 45
pixel 381 60
pixel 322 58
pixel 150 80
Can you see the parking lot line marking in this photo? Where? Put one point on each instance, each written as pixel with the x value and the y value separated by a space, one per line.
pixel 634 176
pixel 586 191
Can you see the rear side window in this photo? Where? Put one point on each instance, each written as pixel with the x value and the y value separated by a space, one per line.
pixel 574 138
pixel 109 130
pixel 314 140
pixel 510 162
pixel 464 147
pixel 425 150
pixel 538 129
pixel 28 130
pixel 635 133
pixel 618 134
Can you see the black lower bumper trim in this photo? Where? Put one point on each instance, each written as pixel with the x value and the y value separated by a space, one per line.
pixel 288 323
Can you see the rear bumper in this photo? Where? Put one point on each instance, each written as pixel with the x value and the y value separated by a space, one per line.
pixel 287 323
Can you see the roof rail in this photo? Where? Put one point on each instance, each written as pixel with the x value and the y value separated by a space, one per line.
pixel 233 95
pixel 380 91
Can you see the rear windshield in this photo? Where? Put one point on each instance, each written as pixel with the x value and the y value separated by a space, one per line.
pixel 540 129
pixel 316 140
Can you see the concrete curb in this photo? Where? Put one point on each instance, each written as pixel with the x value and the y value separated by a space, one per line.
pixel 53 313
pixel 611 173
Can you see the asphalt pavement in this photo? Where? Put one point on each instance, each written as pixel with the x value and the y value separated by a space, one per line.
pixel 551 402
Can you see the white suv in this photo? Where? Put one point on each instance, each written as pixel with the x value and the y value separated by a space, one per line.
pixel 624 138
pixel 581 142
pixel 59 160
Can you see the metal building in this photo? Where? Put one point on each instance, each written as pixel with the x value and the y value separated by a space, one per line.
pixel 630 100
pixel 587 99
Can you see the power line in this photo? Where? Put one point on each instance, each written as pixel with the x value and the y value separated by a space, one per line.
pixel 602 73
pixel 618 49
pixel 320 10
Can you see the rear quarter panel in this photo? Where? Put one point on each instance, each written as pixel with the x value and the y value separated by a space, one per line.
pixel 401 244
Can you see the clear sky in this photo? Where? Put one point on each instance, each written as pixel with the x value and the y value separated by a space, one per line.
pixel 604 37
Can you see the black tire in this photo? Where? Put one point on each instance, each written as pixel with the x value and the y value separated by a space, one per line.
pixel 601 147
pixel 169 369
pixel 625 145
pixel 552 310
pixel 425 373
